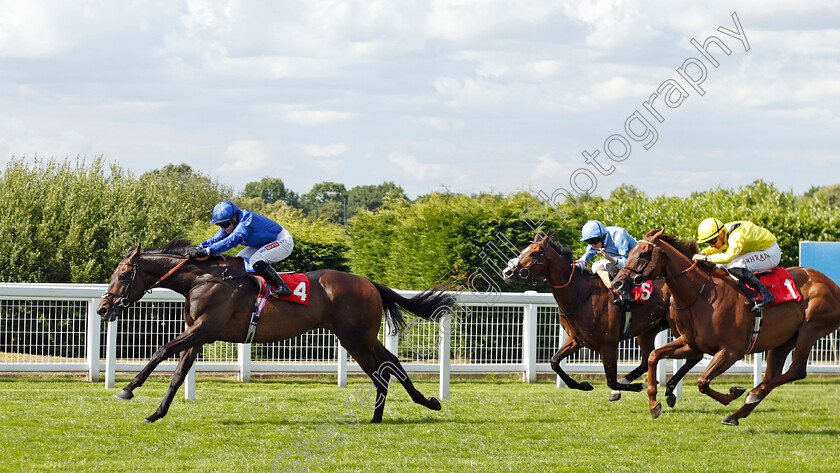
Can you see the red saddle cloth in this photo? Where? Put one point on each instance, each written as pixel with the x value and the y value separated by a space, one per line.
pixel 779 282
pixel 297 282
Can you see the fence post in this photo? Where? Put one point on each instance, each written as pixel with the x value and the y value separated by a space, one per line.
pixel 529 343
pixel 94 327
pixel 661 368
pixel 443 354
pixel 563 336
pixel 758 368
pixel 341 361
pixel 189 385
pixel 392 339
pixel 111 355
pixel 243 357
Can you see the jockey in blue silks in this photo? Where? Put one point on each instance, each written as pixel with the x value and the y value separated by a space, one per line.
pixel 613 243
pixel 266 242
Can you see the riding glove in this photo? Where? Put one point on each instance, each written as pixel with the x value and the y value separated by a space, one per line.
pixel 196 252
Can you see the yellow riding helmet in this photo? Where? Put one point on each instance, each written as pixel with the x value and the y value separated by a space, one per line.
pixel 708 230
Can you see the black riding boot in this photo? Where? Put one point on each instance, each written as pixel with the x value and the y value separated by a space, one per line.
pixel 613 270
pixel 267 271
pixel 747 276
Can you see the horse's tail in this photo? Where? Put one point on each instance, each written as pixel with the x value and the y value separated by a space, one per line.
pixel 430 304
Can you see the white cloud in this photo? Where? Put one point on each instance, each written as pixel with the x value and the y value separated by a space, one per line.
pixel 323 151
pixel 617 88
pixel 315 117
pixel 444 123
pixel 244 157
pixel 411 167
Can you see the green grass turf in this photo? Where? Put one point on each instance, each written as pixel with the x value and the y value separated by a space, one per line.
pixel 490 423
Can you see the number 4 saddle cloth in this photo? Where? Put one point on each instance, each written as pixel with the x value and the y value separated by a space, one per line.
pixel 297 282
pixel 779 282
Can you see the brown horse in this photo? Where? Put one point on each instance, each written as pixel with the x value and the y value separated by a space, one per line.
pixel 591 318
pixel 713 316
pixel 219 298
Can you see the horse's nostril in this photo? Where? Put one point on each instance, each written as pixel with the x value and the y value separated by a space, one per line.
pixel 102 311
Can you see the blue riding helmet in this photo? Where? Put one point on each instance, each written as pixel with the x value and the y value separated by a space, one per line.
pixel 224 211
pixel 592 229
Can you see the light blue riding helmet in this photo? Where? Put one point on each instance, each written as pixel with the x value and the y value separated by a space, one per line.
pixel 592 229
pixel 224 211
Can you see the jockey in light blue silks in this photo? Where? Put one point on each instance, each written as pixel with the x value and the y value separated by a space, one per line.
pixel 266 242
pixel 613 243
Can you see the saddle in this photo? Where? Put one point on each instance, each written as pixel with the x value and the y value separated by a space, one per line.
pixel 778 281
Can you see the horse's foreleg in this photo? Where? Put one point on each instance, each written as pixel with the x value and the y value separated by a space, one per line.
pixel 189 338
pixel 570 347
pixel 188 357
pixel 721 361
pixel 675 349
pixel 674 380
pixel 609 358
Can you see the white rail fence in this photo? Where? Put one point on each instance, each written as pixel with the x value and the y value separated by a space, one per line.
pixel 54 327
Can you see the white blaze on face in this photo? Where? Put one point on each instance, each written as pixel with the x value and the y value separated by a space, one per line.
pixel 511 266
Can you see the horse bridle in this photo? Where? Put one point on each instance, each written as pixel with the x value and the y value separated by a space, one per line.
pixel 122 301
pixel 640 272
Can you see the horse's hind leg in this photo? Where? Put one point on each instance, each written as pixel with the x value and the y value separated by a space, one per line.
pixel 390 364
pixel 609 358
pixel 188 357
pixel 773 377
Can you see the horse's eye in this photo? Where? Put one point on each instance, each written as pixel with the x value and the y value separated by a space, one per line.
pixel 122 277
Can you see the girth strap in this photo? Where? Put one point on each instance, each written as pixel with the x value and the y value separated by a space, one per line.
pixel 256 313
pixel 759 318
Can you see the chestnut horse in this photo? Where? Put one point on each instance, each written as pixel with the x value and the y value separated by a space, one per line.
pixel 591 318
pixel 713 316
pixel 219 299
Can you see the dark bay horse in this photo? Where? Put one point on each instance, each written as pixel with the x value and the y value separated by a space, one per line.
pixel 714 317
pixel 219 297
pixel 591 318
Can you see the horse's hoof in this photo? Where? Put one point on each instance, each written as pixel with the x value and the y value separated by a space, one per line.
pixel 615 396
pixel 635 387
pixel 729 420
pixel 585 386
pixel 671 400
pixel 434 404
pixel 149 420
pixel 737 391
pixel 124 395
pixel 656 411
pixel 752 399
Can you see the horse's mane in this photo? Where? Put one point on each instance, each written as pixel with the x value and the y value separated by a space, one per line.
pixel 566 253
pixel 175 247
pixel 684 246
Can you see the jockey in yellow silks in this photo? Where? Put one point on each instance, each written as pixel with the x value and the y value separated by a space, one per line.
pixel 742 248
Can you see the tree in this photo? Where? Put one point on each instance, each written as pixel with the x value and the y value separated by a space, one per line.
pixel 326 200
pixel 270 190
pixel 372 197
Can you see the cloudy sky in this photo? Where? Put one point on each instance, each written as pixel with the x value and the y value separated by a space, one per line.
pixel 471 96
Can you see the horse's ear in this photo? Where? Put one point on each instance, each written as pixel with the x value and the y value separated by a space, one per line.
pixel 658 234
